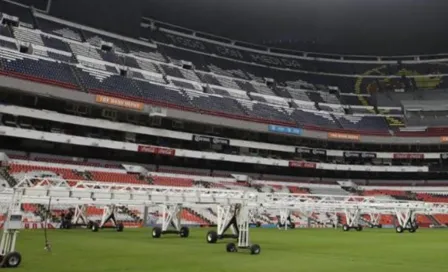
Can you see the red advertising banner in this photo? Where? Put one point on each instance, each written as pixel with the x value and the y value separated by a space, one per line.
pixel 156 150
pixel 302 164
pixel 409 156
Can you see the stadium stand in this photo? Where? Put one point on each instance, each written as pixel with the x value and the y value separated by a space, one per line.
pixel 209 77
pixel 232 75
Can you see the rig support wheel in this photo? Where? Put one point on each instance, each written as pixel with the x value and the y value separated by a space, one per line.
pixel 156 232
pixel 12 260
pixel 212 237
pixel 231 247
pixel 95 227
pixel 345 227
pixel 359 228
pixel 184 232
pixel 412 230
pixel 399 229
pixel 255 249
pixel 120 227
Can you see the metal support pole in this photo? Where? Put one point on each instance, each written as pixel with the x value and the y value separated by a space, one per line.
pixel 145 215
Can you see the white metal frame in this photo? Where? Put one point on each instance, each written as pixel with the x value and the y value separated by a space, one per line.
pixel 171 217
pixel 224 215
pixel 80 215
pixel 284 214
pixel 243 225
pixel 352 217
pixel 109 213
pixel 38 191
pixel 405 218
pixel 10 228
pixel 83 193
pixel 232 204
pixel 375 218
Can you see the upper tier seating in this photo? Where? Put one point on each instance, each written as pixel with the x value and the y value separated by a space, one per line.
pixel 161 94
pixel 219 65
pixel 148 66
pixel 373 123
pixel 59 29
pixel 27 35
pixel 8 44
pixel 231 93
pixel 266 111
pixel 146 52
pixel 313 118
pixel 98 39
pixel 148 77
pixel 215 103
pixel 113 83
pixel 54 72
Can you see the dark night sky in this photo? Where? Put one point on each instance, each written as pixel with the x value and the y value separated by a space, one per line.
pixel 346 26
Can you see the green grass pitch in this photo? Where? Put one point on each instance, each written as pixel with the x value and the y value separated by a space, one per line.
pixel 304 250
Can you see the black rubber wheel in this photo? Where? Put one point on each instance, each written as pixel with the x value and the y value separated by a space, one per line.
pixel 212 237
pixel 89 225
pixel 345 227
pixel 119 227
pixel 293 226
pixel 399 229
pixel 231 247
pixel 359 228
pixel 156 232
pixel 255 249
pixel 12 259
pixel 380 226
pixel 412 230
pixel 95 227
pixel 184 232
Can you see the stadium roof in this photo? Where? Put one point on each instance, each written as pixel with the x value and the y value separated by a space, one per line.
pixel 384 27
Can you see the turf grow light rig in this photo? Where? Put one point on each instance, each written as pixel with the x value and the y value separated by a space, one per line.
pixel 171 218
pixel 227 219
pixel 80 219
pixel 13 223
pixel 235 206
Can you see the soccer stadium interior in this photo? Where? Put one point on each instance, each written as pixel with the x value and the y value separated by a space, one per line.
pixel 180 108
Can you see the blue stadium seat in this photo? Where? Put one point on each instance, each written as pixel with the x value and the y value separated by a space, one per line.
pixel 56 72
